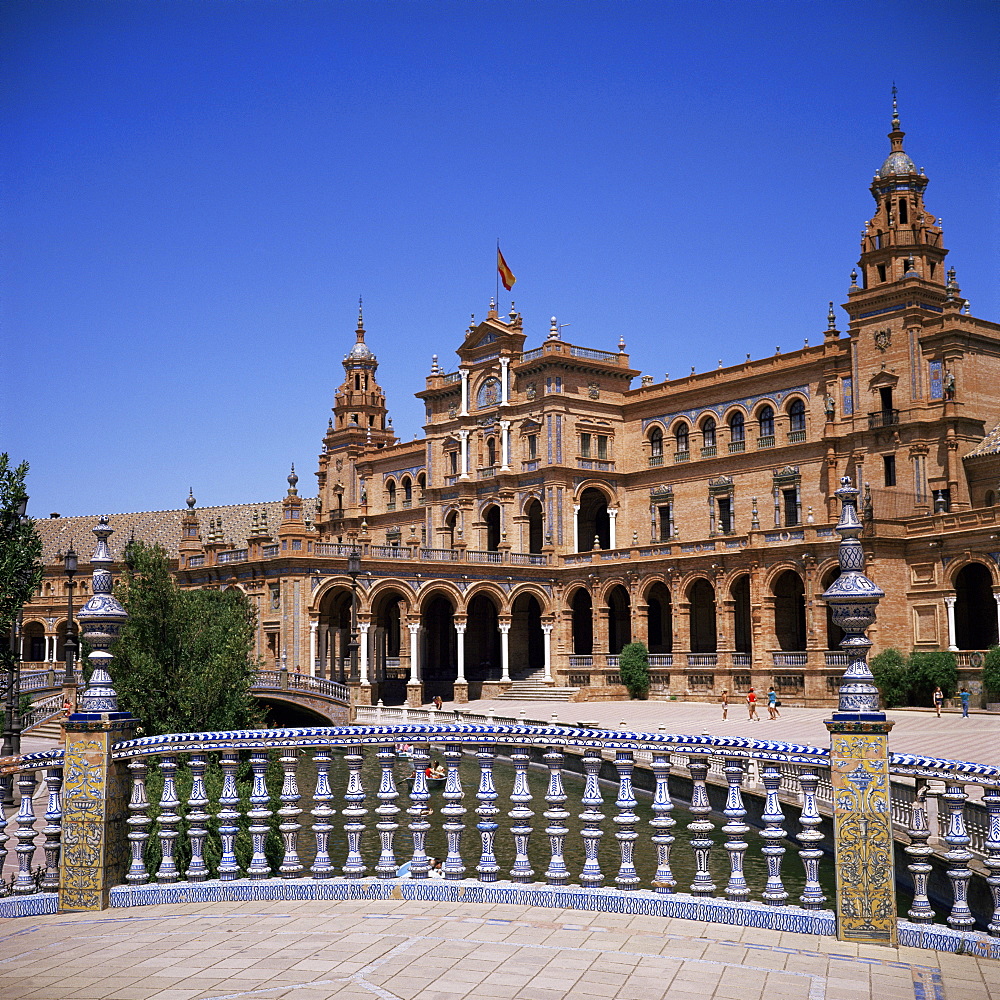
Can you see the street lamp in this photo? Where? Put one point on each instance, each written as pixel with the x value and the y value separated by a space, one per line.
pixel 69 646
pixel 353 569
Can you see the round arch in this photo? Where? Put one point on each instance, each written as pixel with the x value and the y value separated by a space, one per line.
pixel 491 589
pixel 593 521
pixel 581 608
pixel 535 591
pixel 334 633
pixel 618 607
pixel 535 514
pixel 527 650
pixel 482 636
pixel 492 517
pixel 33 644
pixel 789 595
pixel 701 598
pixel 438 644
pixel 739 594
pixel 975 606
pixel 659 617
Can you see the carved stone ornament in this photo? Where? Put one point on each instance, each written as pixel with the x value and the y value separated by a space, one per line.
pixel 452 411
pixel 883 338
pixel 594 390
pixel 531 391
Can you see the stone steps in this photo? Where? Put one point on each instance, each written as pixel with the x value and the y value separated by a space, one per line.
pixel 50 729
pixel 531 687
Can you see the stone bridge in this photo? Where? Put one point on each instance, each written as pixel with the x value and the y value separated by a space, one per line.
pixel 327 699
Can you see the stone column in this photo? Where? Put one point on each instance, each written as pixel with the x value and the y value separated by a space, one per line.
pixel 612 527
pixel 504 650
pixel 576 527
pixel 950 605
pixel 547 645
pixel 414 687
pixel 859 754
pixel 464 457
pixel 363 628
pixel 504 379
pixel 461 684
pixel 313 629
pixel 464 372
pixel 505 446
pixel 996 597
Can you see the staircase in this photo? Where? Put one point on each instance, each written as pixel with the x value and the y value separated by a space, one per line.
pixel 531 687
pixel 50 729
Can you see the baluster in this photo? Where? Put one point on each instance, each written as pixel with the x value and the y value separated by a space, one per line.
pixel 322 812
pixel 197 819
pixel 487 813
pixel 521 815
pixel 419 811
pixel 289 825
pixel 169 819
pixel 3 823
pixel 702 827
pixel 386 811
pixel 259 815
pixel 772 835
pixel 809 837
pixel 25 850
pixel 626 835
pixel 991 799
pixel 453 867
pixel 736 830
pixel 229 799
pixel 138 823
pixel 662 822
pixel 958 857
pixel 920 851
pixel 591 817
pixel 556 814
pixel 354 813
pixel 53 829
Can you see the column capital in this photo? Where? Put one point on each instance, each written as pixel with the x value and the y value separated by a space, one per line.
pixel 504 627
pixel 950 599
pixel 460 627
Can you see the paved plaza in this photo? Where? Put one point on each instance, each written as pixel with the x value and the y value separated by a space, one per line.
pixel 395 950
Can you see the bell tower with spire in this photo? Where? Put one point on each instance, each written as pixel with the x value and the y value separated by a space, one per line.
pixel 360 423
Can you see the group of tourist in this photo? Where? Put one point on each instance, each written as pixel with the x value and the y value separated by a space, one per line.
pixel 773 704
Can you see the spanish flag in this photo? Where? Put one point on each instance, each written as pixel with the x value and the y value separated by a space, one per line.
pixel 506 275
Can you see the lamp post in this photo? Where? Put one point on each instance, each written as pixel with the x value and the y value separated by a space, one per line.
pixel 353 569
pixel 70 563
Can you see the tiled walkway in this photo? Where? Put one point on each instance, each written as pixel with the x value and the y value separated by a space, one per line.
pixel 444 951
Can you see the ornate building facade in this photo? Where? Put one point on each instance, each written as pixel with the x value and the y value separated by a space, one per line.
pixel 554 510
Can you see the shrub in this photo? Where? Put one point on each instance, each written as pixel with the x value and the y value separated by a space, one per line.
pixel 891 677
pixel 633 666
pixel 991 671
pixel 928 671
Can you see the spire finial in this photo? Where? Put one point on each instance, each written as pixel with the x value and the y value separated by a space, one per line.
pixel 293 481
pixel 895 109
pixel 191 500
pixel 831 319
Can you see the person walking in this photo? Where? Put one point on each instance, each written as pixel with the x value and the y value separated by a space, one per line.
pixel 772 704
pixel 725 704
pixel 938 700
pixel 964 695
pixel 752 706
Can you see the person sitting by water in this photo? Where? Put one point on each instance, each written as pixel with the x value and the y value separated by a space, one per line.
pixel 436 770
pixel 435 870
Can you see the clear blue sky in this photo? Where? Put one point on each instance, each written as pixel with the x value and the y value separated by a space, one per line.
pixel 194 195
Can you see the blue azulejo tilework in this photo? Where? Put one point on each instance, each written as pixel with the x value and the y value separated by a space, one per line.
pixel 939 938
pixel 29 906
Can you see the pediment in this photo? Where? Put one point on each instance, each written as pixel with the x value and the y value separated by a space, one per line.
pixel 883 380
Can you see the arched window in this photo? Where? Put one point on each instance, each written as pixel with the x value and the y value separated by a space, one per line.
pixel 491 451
pixel 797 416
pixel 681 437
pixel 407 490
pixel 708 432
pixel 421 486
pixel 656 446
pixel 390 494
pixel 737 428
pixel 766 420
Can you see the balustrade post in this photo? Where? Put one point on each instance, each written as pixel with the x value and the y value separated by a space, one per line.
pixel 322 812
pixel 52 830
pixel 487 812
pixel 625 820
pixel 229 799
pixel 24 882
pixel 773 834
pixel 197 819
pixel 920 868
pixel 701 828
pixel 386 811
pixel 735 830
pixel 259 815
pixel 288 814
pixel 859 753
pixel 453 811
pixel 591 817
pixel 958 857
pixel 662 822
pixel 354 866
pixel 556 814
pixel 418 811
pixel 810 837
pixel 169 820
pixel 991 799
pixel 521 815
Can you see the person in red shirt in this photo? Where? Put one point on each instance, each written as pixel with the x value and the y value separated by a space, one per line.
pixel 752 706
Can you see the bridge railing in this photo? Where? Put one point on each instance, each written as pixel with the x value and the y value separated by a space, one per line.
pixel 168 836
pixel 287 680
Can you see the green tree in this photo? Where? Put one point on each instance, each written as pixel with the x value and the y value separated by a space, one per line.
pixel 633 666
pixel 891 677
pixel 928 671
pixel 184 660
pixel 991 671
pixel 20 571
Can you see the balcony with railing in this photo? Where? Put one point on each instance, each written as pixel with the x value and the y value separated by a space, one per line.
pixel 882 418
pixel 794 437
pixel 233 556
pixel 656 461
pixel 765 441
pixel 682 456
pixel 737 446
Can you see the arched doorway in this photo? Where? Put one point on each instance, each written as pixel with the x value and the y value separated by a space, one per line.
pixel 593 522
pixel 332 653
pixel 385 666
pixel 439 651
pixel 527 650
pixel 451 529
pixel 703 632
pixel 535 533
pixel 834 633
pixel 739 592
pixel 583 623
pixel 790 612
pixel 659 620
pixel 619 619
pixel 975 608
pixel 482 640
pixel 33 642
pixel 492 518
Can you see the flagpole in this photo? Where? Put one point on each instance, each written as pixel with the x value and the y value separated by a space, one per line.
pixel 498 275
